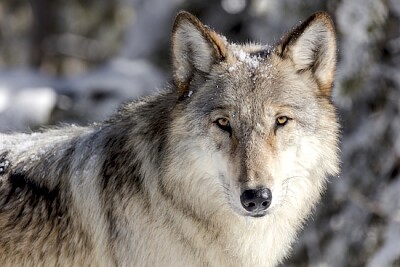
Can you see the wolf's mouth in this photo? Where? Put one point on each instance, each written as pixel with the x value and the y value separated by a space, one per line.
pixel 258 215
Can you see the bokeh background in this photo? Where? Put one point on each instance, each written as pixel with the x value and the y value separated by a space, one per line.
pixel 76 61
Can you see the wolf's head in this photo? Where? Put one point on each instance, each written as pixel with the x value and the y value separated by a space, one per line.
pixel 254 124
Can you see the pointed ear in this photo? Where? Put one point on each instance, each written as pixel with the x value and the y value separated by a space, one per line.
pixel 312 46
pixel 195 47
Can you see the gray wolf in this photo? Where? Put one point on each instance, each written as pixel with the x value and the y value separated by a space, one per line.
pixel 222 168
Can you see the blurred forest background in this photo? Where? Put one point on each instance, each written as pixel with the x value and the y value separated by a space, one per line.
pixel 76 61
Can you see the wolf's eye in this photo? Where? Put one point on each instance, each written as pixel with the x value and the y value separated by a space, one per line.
pixel 281 121
pixel 224 124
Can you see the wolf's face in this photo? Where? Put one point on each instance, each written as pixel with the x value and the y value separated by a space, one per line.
pixel 262 115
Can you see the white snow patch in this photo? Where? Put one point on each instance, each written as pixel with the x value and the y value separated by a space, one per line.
pixel 4 98
pixel 232 68
pixel 251 61
pixel 4 165
pixel 37 101
pixel 27 99
pixel 25 106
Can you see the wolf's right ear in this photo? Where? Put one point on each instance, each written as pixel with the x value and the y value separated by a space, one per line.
pixel 195 47
pixel 312 46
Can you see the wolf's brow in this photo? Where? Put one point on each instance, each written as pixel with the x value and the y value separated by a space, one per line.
pixel 281 107
pixel 290 106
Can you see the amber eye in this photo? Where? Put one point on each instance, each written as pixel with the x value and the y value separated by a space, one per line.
pixel 281 121
pixel 224 124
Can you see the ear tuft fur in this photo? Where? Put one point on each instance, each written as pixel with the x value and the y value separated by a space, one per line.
pixel 195 47
pixel 312 46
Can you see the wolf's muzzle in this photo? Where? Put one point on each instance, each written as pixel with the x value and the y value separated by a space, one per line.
pixel 256 201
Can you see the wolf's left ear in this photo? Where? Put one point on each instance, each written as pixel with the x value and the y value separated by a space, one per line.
pixel 312 46
pixel 195 47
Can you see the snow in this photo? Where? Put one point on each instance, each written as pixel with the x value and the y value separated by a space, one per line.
pixel 244 58
pixel 3 165
pixel 4 98
pixel 38 102
pixel 25 100
pixel 28 99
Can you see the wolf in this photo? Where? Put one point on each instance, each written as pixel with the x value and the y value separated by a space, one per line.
pixel 222 168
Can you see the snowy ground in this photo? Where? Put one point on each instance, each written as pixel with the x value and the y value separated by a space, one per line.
pixel 29 99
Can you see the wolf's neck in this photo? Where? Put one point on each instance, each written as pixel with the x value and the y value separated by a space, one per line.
pixel 134 144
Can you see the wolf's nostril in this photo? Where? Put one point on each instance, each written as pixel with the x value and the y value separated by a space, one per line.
pixel 256 200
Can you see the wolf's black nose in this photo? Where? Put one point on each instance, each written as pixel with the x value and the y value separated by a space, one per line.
pixel 256 200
